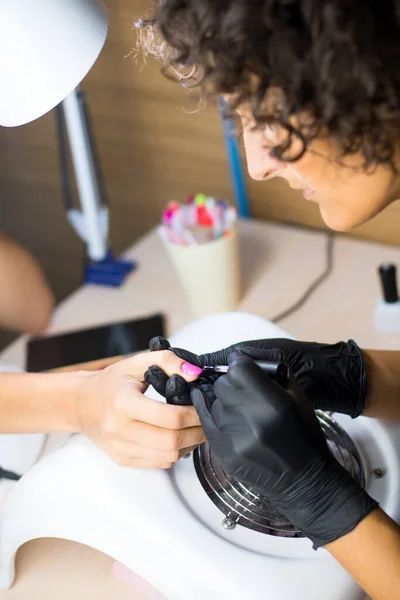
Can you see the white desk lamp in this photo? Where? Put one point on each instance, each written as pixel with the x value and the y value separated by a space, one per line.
pixel 46 48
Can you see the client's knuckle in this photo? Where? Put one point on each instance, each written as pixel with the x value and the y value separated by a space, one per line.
pixel 174 439
pixel 177 418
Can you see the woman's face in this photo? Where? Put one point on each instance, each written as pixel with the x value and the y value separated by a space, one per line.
pixel 347 196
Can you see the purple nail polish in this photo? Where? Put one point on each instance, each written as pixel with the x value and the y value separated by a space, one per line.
pixel 190 370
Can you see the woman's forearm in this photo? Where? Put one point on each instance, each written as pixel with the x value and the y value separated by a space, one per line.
pixel 371 554
pixel 383 384
pixel 33 403
pixel 92 365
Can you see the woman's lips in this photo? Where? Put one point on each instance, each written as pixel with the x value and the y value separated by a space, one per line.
pixel 309 194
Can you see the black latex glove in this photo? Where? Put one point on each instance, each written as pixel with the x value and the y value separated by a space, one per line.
pixel 333 376
pixel 269 438
pixel 175 389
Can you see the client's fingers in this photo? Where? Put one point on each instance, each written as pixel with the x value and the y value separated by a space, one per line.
pixel 177 391
pixel 156 377
pixel 159 343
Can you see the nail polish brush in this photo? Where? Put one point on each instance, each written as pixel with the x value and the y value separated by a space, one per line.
pixel 275 370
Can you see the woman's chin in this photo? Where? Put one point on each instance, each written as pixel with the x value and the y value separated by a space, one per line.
pixel 339 220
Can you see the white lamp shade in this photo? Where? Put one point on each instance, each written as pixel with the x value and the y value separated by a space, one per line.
pixel 46 49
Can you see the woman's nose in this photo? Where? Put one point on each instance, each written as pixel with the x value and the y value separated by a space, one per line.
pixel 260 164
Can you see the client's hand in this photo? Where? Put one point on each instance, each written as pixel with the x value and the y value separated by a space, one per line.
pixel 135 430
pixel 269 438
pixel 333 376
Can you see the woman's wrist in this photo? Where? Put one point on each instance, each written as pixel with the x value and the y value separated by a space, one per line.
pixel 371 554
pixel 73 399
pixel 383 384
pixel 38 402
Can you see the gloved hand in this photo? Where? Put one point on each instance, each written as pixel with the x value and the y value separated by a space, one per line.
pixel 269 438
pixel 174 389
pixel 333 376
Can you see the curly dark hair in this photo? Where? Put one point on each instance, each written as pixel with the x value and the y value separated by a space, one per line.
pixel 315 67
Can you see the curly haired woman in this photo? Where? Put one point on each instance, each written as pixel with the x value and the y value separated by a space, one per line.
pixel 316 85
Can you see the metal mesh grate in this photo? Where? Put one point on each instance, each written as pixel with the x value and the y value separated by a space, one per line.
pixel 242 506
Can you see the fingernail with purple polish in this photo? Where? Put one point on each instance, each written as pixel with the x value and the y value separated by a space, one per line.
pixel 190 370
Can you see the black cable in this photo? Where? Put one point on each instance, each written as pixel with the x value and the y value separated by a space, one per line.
pixel 313 286
pixel 9 475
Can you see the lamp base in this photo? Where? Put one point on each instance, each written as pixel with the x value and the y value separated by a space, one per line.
pixel 110 271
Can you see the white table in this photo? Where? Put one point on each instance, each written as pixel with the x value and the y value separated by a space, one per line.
pixel 279 262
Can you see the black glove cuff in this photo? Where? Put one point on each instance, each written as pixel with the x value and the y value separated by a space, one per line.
pixel 358 506
pixel 362 388
pixel 325 502
pixel 335 380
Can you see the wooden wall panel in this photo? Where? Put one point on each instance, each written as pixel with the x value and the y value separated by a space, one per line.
pixel 151 151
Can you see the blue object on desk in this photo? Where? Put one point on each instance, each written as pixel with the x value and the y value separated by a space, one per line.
pixel 110 271
pixel 235 162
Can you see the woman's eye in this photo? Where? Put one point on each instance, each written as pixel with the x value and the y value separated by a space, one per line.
pixel 248 125
pixel 268 131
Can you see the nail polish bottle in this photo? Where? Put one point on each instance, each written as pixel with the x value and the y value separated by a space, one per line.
pixel 387 309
